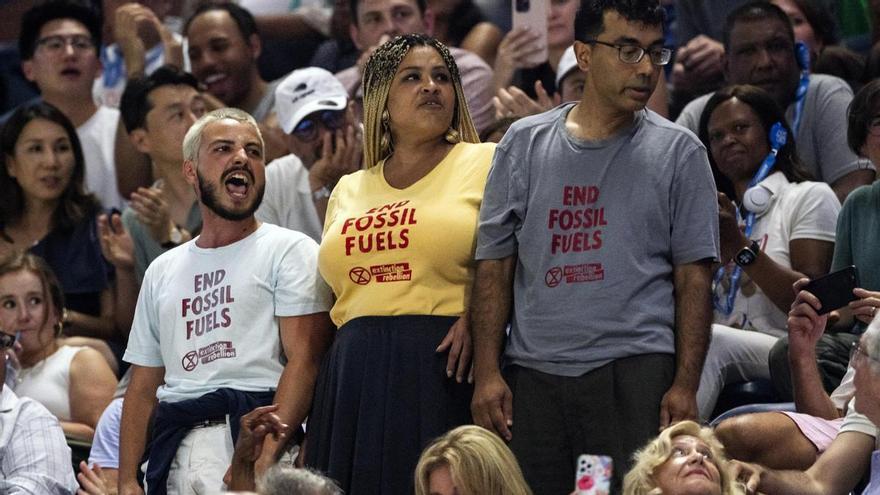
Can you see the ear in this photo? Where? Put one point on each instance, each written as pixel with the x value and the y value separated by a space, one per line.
pixel 582 53
pixel 189 173
pixel 27 68
pixel 256 45
pixel 428 19
pixel 140 139
pixel 354 33
pixel 10 166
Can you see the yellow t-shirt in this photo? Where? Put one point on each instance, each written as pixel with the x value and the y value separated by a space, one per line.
pixel 410 251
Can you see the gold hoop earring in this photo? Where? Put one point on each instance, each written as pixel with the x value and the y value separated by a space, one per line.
pixel 452 136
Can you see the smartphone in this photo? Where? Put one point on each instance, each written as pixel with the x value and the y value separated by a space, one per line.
pixel 593 475
pixel 532 14
pixel 835 290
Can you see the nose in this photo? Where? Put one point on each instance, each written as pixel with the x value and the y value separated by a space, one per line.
pixel 763 58
pixel 241 156
pixel 430 85
pixel 645 67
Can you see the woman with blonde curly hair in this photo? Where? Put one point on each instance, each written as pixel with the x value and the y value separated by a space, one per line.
pixel 398 251
pixel 684 459
pixel 469 460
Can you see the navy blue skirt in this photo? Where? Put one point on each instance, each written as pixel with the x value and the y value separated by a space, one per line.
pixel 382 395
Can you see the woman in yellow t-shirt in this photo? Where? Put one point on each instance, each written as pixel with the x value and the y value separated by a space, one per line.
pixel 397 251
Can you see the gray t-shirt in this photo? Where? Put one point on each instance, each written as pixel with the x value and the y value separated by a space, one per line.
pixel 821 140
pixel 598 228
pixel 146 249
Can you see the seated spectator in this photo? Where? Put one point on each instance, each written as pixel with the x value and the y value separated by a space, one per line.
pixel 789 232
pixel 324 141
pixel 814 25
pixel 514 103
pixel 461 23
pixel 103 465
pixel 45 210
pixel 376 21
pixel 469 460
pixel 684 458
pixel 845 462
pixel 760 46
pixel 74 383
pixel 34 457
pixel 58 45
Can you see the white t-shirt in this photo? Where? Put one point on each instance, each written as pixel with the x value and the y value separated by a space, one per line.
pixel 803 210
pixel 287 201
pixel 98 138
pixel 210 316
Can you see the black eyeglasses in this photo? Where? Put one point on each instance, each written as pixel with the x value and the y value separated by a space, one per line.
pixel 307 129
pixel 6 340
pixel 633 54
pixel 57 43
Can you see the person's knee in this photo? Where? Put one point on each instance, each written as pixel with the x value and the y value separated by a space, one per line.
pixel 741 435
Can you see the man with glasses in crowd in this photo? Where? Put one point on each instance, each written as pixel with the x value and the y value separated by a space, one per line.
pixel 599 226
pixel 34 456
pixel 58 46
pixel 324 141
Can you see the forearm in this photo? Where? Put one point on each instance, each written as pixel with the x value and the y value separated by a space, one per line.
pixel 693 319
pixel 809 393
pixel 489 312
pixel 78 431
pixel 790 483
pixel 133 168
pixel 137 408
pixel 774 280
pixel 102 327
pixel 125 294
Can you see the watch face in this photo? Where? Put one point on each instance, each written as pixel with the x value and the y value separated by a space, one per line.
pixel 745 257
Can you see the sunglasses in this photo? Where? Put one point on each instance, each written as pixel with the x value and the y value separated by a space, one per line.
pixel 307 129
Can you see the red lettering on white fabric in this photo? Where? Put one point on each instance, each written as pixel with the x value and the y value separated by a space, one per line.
pixel 207 309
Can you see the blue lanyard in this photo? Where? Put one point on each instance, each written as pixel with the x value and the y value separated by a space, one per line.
pixel 778 137
pixel 803 58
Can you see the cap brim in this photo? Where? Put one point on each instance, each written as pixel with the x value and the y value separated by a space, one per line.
pixel 325 103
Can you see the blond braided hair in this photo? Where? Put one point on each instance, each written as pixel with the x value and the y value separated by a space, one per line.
pixel 378 74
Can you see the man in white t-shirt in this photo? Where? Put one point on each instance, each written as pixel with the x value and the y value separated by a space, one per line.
pixel 58 45
pixel 324 141
pixel 232 320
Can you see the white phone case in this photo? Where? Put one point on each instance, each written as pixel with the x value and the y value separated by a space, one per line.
pixel 593 475
pixel 532 13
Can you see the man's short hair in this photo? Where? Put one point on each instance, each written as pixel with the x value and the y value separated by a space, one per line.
pixel 589 21
pixel 34 19
pixel 282 480
pixel 193 138
pixel 862 109
pixel 755 11
pixel 135 103
pixel 354 4
pixel 242 17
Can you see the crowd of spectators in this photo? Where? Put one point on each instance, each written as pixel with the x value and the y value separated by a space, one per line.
pixel 403 246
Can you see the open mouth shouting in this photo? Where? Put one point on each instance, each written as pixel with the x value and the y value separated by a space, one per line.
pixel 238 183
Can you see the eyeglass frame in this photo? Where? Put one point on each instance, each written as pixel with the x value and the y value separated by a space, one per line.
pixel 323 122
pixel 87 43
pixel 642 51
pixel 856 350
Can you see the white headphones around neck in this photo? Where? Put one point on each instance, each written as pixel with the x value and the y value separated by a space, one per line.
pixel 757 199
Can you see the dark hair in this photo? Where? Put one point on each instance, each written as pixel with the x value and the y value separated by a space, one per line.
pixel 755 11
pixel 353 5
pixel 75 204
pixel 34 19
pixel 819 18
pixel 23 260
pixel 135 103
pixel 242 17
pixel 769 113
pixel 589 22
pixel 864 105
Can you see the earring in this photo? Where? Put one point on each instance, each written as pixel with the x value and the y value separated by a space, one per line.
pixel 385 144
pixel 452 136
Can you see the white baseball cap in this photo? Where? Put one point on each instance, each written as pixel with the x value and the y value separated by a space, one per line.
pixel 567 63
pixel 305 91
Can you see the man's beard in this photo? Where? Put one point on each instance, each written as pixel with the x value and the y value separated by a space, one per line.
pixel 208 196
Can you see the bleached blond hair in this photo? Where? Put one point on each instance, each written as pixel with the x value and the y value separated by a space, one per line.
pixel 193 138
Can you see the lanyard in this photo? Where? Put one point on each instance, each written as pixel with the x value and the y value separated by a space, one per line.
pixel 803 58
pixel 778 137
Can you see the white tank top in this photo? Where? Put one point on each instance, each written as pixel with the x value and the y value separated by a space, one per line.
pixel 48 382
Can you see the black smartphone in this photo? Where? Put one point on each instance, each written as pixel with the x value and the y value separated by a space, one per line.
pixel 835 290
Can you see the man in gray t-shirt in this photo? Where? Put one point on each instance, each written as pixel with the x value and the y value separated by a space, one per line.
pixel 760 50
pixel 599 225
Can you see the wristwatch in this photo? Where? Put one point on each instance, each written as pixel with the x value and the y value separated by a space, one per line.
pixel 174 238
pixel 747 255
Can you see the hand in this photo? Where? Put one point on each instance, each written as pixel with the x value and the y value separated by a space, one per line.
pixel 255 426
pixel 515 51
pixel 130 488
pixel 864 308
pixel 732 237
pixel 136 29
pixel 748 474
pixel 116 244
pixel 678 404
pixel 514 102
pixel 91 480
pixel 152 210
pixel 805 325
pixel 335 163
pixel 458 343
pixel 492 405
pixel 697 62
